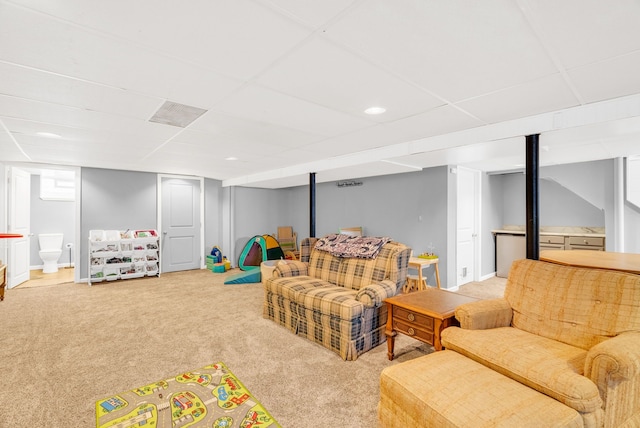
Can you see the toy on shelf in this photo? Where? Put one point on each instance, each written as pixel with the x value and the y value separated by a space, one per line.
pixel 429 254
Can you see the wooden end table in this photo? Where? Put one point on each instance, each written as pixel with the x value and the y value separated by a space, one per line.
pixel 3 280
pixel 422 315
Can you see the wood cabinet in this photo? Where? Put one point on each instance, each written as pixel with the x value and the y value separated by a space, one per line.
pixel 584 243
pixel 511 245
pixel 552 242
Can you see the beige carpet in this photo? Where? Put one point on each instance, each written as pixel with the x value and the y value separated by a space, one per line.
pixel 62 347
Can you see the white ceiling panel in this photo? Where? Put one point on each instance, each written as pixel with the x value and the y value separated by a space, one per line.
pixel 310 12
pixel 247 131
pixel 595 81
pixel 573 154
pixel 24 131
pixel 455 49
pixel 10 151
pixel 438 121
pixel 586 31
pixel 264 105
pixel 50 116
pixel 285 83
pixel 236 38
pixel 40 149
pixel 327 75
pixel 53 88
pixel 543 95
pixel 56 46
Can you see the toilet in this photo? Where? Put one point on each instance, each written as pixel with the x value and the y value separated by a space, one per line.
pixel 50 251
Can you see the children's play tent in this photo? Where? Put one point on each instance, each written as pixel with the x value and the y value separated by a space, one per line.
pixel 257 250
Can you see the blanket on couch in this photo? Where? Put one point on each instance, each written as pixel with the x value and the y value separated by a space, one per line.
pixel 363 247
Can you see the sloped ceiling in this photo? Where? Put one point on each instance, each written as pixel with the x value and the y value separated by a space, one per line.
pixel 285 84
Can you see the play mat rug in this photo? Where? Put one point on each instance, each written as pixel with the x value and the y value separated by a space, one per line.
pixel 209 397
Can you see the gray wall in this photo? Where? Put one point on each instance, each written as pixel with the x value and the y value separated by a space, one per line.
pixel 492 218
pixel 257 212
pixel 121 200
pixel 115 200
pixel 570 195
pixel 212 214
pixel 389 205
pixel 50 217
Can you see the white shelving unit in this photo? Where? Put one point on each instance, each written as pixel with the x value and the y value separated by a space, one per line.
pixel 123 255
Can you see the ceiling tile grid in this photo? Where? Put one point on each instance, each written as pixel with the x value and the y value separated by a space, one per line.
pixel 285 84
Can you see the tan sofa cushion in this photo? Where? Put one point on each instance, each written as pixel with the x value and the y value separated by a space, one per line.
pixel 445 389
pixel 551 367
pixel 581 307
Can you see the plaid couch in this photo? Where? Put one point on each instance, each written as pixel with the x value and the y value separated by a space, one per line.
pixel 336 302
pixel 570 333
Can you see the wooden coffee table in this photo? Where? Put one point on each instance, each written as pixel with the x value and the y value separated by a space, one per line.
pixel 422 315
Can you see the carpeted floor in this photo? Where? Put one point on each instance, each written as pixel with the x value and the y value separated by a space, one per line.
pixel 62 347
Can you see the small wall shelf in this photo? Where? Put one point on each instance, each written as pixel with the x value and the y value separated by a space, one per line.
pixel 117 255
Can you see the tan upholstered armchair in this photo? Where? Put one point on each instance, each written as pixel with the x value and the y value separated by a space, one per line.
pixel 570 333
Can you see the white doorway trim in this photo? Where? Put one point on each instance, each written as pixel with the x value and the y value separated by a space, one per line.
pixel 476 232
pixel 159 211
pixel 78 206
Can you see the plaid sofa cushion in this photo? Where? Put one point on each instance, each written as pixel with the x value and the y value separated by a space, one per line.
pixel 355 273
pixel 317 295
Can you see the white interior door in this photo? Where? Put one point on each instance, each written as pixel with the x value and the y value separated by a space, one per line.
pixel 19 222
pixel 468 202
pixel 181 224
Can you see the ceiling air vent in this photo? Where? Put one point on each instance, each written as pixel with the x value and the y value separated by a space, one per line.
pixel 175 114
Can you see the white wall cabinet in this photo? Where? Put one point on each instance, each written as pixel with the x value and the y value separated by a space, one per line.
pixel 123 255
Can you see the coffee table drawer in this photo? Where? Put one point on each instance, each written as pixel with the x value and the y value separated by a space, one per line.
pixel 423 321
pixel 413 331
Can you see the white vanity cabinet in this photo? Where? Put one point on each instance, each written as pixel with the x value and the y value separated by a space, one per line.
pixel 122 255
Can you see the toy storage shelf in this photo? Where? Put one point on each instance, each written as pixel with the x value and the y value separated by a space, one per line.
pixel 117 255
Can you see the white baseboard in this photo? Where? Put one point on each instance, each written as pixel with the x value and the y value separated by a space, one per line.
pixel 488 276
pixel 60 266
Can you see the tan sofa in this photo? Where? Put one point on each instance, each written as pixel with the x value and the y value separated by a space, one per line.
pixel 571 334
pixel 337 302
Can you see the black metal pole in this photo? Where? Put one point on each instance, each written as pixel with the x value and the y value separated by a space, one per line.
pixel 532 192
pixel 312 204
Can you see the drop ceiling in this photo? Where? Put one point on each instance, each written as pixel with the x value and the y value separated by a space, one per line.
pixel 284 85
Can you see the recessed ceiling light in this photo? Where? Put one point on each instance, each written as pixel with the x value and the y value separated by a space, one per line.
pixel 375 110
pixel 231 158
pixel 48 135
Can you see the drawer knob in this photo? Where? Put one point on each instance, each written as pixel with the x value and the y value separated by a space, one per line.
pixel 586 242
pixel 411 317
pixel 411 331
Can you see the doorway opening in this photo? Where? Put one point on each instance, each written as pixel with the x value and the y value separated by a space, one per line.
pixel 47 202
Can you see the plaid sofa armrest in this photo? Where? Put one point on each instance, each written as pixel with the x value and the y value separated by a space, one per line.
pixel 484 314
pixel 290 268
pixel 373 295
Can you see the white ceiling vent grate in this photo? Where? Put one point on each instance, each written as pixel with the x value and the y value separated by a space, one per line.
pixel 177 114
